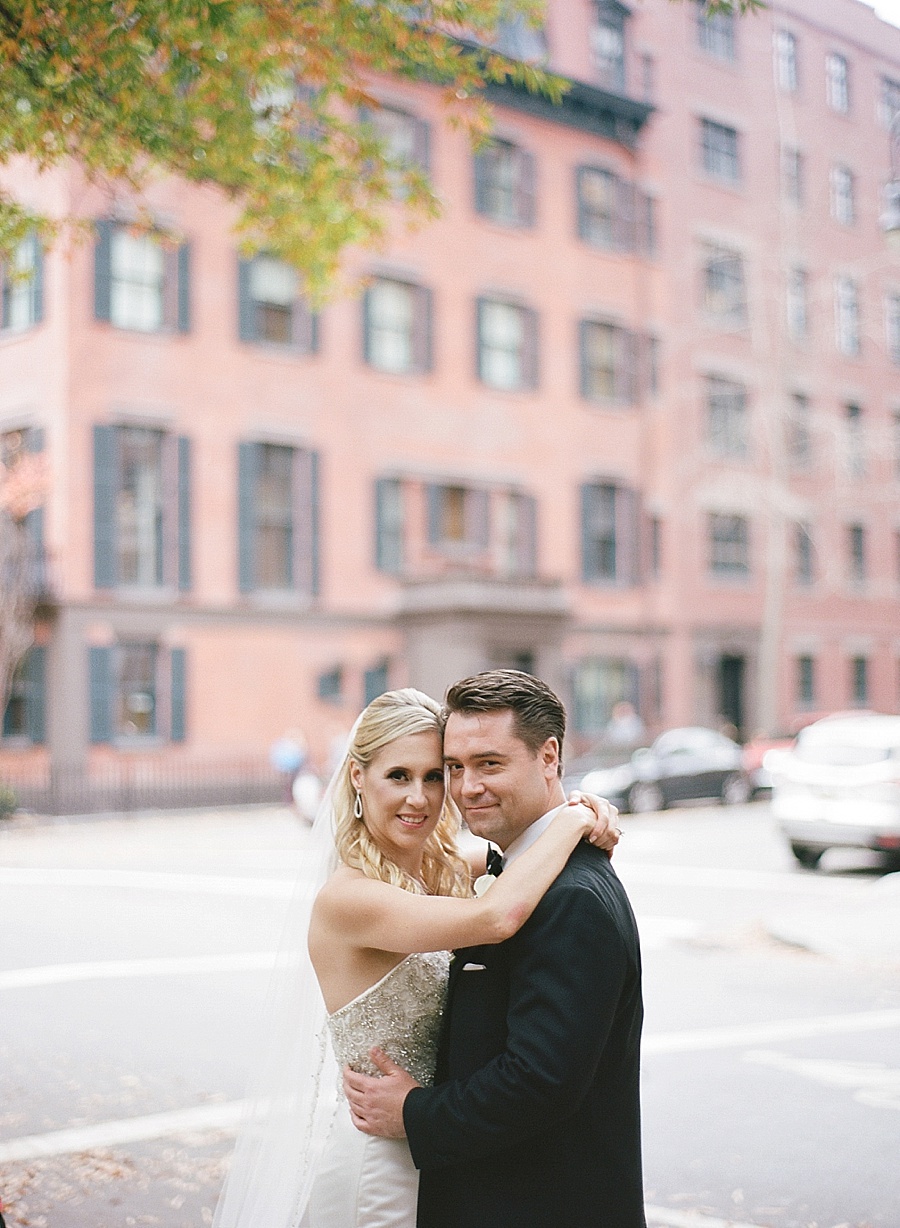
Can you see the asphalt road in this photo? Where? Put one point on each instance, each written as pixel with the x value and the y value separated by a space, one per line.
pixel 133 963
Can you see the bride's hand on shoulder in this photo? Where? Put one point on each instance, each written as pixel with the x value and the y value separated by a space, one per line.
pixel 604 831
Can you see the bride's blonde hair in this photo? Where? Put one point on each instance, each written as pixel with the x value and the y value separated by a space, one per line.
pixel 393 715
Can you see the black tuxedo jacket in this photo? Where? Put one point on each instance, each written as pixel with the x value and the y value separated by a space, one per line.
pixel 534 1119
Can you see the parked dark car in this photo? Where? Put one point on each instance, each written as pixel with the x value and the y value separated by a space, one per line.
pixel 681 765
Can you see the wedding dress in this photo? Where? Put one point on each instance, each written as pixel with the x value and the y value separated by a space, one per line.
pixel 363 1181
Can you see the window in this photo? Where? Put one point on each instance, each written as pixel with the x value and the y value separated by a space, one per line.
pixel 837 82
pixel 892 326
pixel 715 32
pixel 504 184
pixel 726 417
pixel 846 314
pixel 792 177
pixel 890 100
pixel 507 345
pixel 843 206
pixel 142 511
pixel 598 684
pixel 137 692
pixel 458 518
pixel 22 287
pixel 520 40
pixel 608 362
pixel 856 554
pixel 375 681
pixel 16 446
pixel 729 546
pixel 855 455
pixel 806 681
pixel 609 534
pixel 23 717
pixel 723 286
pixel 786 61
pixel 799 434
pixel 405 139
pixel 804 555
pixel 277 518
pixel 141 283
pixel 607 45
pixel 859 681
pixel 798 304
pixel 397 327
pixel 719 149
pixel 390 527
pixel 270 308
pixel 605 209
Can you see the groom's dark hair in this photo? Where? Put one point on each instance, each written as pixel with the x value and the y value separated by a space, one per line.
pixel 538 713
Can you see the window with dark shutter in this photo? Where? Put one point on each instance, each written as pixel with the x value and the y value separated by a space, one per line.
pixel 142 283
pixel 22 286
pixel 278 518
pixel 507 345
pixel 397 326
pixel 505 184
pixel 271 309
pixel 101 682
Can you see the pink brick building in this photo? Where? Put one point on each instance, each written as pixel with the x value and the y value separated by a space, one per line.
pixel 628 415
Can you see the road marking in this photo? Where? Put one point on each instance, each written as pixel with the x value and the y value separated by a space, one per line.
pixel 209 884
pixel 736 880
pixel 690 1219
pixel 760 1033
pixel 113 969
pixel 871 1082
pixel 129 1130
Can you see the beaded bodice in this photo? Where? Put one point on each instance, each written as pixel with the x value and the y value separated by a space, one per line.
pixel 401 1014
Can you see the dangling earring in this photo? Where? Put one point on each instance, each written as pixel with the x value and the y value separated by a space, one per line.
pixel 357 805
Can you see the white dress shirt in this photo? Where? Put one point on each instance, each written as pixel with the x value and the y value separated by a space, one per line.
pixel 528 837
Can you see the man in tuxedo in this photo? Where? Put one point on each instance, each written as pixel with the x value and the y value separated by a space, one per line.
pixel 534 1118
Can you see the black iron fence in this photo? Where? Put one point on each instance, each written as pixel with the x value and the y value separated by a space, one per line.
pixel 126 786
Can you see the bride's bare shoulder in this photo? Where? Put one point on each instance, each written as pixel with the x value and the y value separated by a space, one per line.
pixel 339 894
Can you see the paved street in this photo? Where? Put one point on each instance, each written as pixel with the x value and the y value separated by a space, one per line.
pixel 133 961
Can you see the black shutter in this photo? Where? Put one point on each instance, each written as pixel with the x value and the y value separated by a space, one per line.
pixel 589 569
pixel 184 287
pixel 315 517
pixel 422 332
pixel 422 144
pixel 434 498
pixel 526 188
pixel 184 514
pixel 246 305
pixel 389 525
pixel 478 516
pixel 38 275
pixel 584 327
pixel 36 676
pixel 527 545
pixel 103 271
pixel 530 365
pixel 100 668
pixel 627 536
pixel 248 464
pixel 479 324
pixel 177 726
pixel 481 169
pixel 105 489
pixel 366 325
pixel 630 385
pixel 303 327
pixel 306 521
pixel 624 220
pixel 580 210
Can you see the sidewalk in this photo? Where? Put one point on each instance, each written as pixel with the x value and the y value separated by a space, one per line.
pixel 867 930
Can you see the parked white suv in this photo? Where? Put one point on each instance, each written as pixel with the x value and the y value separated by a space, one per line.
pixel 839 786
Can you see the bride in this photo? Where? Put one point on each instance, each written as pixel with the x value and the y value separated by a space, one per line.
pixel 386 897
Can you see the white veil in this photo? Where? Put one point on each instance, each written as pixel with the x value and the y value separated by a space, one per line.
pixel 293 1098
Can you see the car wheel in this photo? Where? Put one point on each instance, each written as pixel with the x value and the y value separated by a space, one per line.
pixel 644 796
pixel 735 789
pixel 807 857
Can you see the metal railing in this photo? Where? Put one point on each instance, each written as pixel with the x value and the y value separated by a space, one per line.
pixel 125 786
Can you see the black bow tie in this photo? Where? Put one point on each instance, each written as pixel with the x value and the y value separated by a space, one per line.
pixel 494 862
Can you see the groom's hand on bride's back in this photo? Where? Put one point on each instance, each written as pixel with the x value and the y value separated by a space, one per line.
pixel 376 1104
pixel 606 831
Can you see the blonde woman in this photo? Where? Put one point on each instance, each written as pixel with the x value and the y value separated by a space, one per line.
pixel 398 899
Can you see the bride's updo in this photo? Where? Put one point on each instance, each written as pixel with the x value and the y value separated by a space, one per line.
pixel 393 715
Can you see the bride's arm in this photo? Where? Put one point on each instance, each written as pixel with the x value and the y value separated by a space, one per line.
pixel 377 915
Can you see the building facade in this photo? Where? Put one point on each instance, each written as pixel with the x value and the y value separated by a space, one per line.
pixel 627 414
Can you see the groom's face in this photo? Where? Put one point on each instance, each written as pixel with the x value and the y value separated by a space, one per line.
pixel 500 785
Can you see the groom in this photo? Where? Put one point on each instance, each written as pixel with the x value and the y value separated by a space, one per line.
pixel 534 1118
